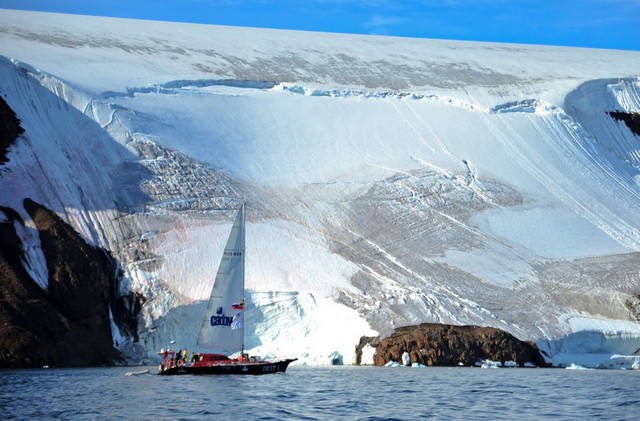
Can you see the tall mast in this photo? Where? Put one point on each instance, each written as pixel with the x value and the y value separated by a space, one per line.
pixel 244 274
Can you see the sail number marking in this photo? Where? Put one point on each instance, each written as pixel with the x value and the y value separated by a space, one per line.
pixel 228 255
pixel 270 368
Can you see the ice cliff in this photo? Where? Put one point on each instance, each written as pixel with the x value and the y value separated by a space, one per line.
pixel 388 181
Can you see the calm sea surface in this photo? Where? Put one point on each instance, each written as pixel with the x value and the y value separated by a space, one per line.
pixel 323 393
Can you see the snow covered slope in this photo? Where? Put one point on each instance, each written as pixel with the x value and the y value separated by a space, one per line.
pixel 389 181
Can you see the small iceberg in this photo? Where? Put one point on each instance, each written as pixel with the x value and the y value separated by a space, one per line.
pixel 577 367
pixel 136 373
pixel 490 364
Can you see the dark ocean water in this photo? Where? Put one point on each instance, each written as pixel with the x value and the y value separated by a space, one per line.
pixel 323 393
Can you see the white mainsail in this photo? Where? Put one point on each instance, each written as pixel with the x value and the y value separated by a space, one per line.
pixel 219 332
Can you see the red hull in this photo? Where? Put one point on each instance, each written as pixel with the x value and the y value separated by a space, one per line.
pixel 256 368
pixel 219 364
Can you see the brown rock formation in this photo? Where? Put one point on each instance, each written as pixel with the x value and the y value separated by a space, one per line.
pixel 435 344
pixel 68 325
pixel 632 120
pixel 9 129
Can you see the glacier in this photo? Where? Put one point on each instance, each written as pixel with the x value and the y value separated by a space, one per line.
pixel 388 181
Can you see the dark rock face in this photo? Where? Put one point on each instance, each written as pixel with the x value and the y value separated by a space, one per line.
pixel 9 129
pixel 435 344
pixel 365 340
pixel 632 120
pixel 125 311
pixel 68 325
pixel 633 305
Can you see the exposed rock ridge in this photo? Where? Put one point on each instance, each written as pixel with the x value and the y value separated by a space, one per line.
pixel 68 325
pixel 10 129
pixel 632 120
pixel 433 344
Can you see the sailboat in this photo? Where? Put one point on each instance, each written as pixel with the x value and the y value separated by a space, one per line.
pixel 223 325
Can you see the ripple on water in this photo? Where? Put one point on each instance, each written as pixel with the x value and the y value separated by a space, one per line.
pixel 320 393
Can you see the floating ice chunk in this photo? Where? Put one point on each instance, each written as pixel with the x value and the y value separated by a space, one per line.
pixel 336 358
pixel 577 367
pixel 491 364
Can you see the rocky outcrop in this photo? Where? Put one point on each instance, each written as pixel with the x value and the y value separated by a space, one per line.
pixel 364 341
pixel 633 305
pixel 433 344
pixel 9 129
pixel 68 325
pixel 632 120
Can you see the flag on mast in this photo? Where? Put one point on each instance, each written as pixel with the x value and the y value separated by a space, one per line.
pixel 238 321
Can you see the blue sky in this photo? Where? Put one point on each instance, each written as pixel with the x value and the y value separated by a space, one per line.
pixel 586 23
